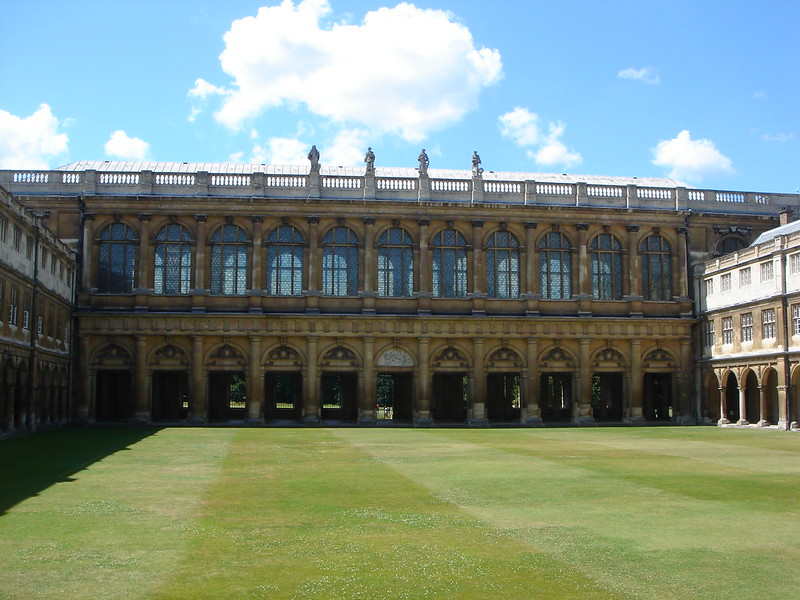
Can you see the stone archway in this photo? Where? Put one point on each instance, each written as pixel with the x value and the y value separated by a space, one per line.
pixel 395 386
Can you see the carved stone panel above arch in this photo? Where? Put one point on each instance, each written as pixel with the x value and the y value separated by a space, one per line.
pixel 395 357
pixel 659 359
pixel 450 358
pixel 505 358
pixel 169 355
pixel 284 356
pixel 608 358
pixel 557 358
pixel 227 356
pixel 341 357
pixel 112 356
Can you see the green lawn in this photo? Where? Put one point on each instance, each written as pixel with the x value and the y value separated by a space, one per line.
pixel 339 514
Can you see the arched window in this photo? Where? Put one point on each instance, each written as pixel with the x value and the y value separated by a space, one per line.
pixel 340 262
pixel 555 267
pixel 502 265
pixel 229 260
pixel 449 264
pixel 606 260
pixel 656 268
pixel 395 263
pixel 116 265
pixel 173 260
pixel 285 261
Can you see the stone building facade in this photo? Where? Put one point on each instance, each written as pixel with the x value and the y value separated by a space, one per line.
pixel 750 308
pixel 262 294
pixel 36 302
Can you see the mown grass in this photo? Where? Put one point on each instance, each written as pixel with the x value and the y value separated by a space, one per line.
pixel 648 513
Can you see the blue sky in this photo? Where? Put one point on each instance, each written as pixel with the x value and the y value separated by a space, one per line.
pixel 706 92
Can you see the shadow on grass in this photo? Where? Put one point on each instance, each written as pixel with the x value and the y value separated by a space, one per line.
pixel 32 463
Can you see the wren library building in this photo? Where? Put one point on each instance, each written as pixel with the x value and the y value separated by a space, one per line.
pixel 257 294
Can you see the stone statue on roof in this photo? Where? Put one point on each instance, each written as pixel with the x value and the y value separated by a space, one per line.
pixel 313 156
pixel 423 162
pixel 370 160
pixel 476 164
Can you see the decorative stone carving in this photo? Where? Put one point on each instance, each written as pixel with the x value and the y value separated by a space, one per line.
pixel 340 356
pixel 506 357
pixel 170 355
pixel 395 357
pixel 284 355
pixel 558 357
pixel 113 355
pixel 609 355
pixel 450 357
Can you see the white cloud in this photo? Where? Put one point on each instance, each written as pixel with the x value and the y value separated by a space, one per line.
pixel 201 91
pixel 689 159
pixel 403 70
pixel 522 127
pixel 778 137
pixel 348 148
pixel 120 145
pixel 27 143
pixel 646 75
pixel 281 151
pixel 554 152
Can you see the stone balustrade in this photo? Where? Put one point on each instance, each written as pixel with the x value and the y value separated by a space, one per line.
pixel 368 187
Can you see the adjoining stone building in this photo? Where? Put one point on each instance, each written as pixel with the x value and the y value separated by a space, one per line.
pixel 750 305
pixel 264 294
pixel 36 303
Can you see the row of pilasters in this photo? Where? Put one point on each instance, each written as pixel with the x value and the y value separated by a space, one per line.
pixel 632 390
pixel 529 275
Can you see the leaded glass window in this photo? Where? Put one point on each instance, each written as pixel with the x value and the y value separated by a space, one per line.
pixel 116 263
pixel 229 260
pixel 656 256
pixel 606 261
pixel 502 265
pixel 173 260
pixel 285 261
pixel 449 249
pixel 340 262
pixel 555 266
pixel 395 263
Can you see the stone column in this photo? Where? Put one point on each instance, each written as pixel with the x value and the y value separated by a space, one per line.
pixel 88 255
pixel 479 394
pixel 582 266
pixel 584 400
pixel 679 271
pixel 367 414
pixel 532 414
pixel 762 406
pixel 634 283
pixel 145 257
pixel 257 275
pixel 85 388
pixel 200 283
pixel 312 260
pixel 685 382
pixel 723 407
pixel 422 414
pixel 422 261
pixel 311 412
pixel 368 284
pixel 255 383
pixel 531 290
pixel 142 380
pixel 199 403
pixel 743 405
pixel 478 270
pixel 636 414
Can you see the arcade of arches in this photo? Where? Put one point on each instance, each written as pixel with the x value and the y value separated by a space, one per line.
pixel 751 395
pixel 362 369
